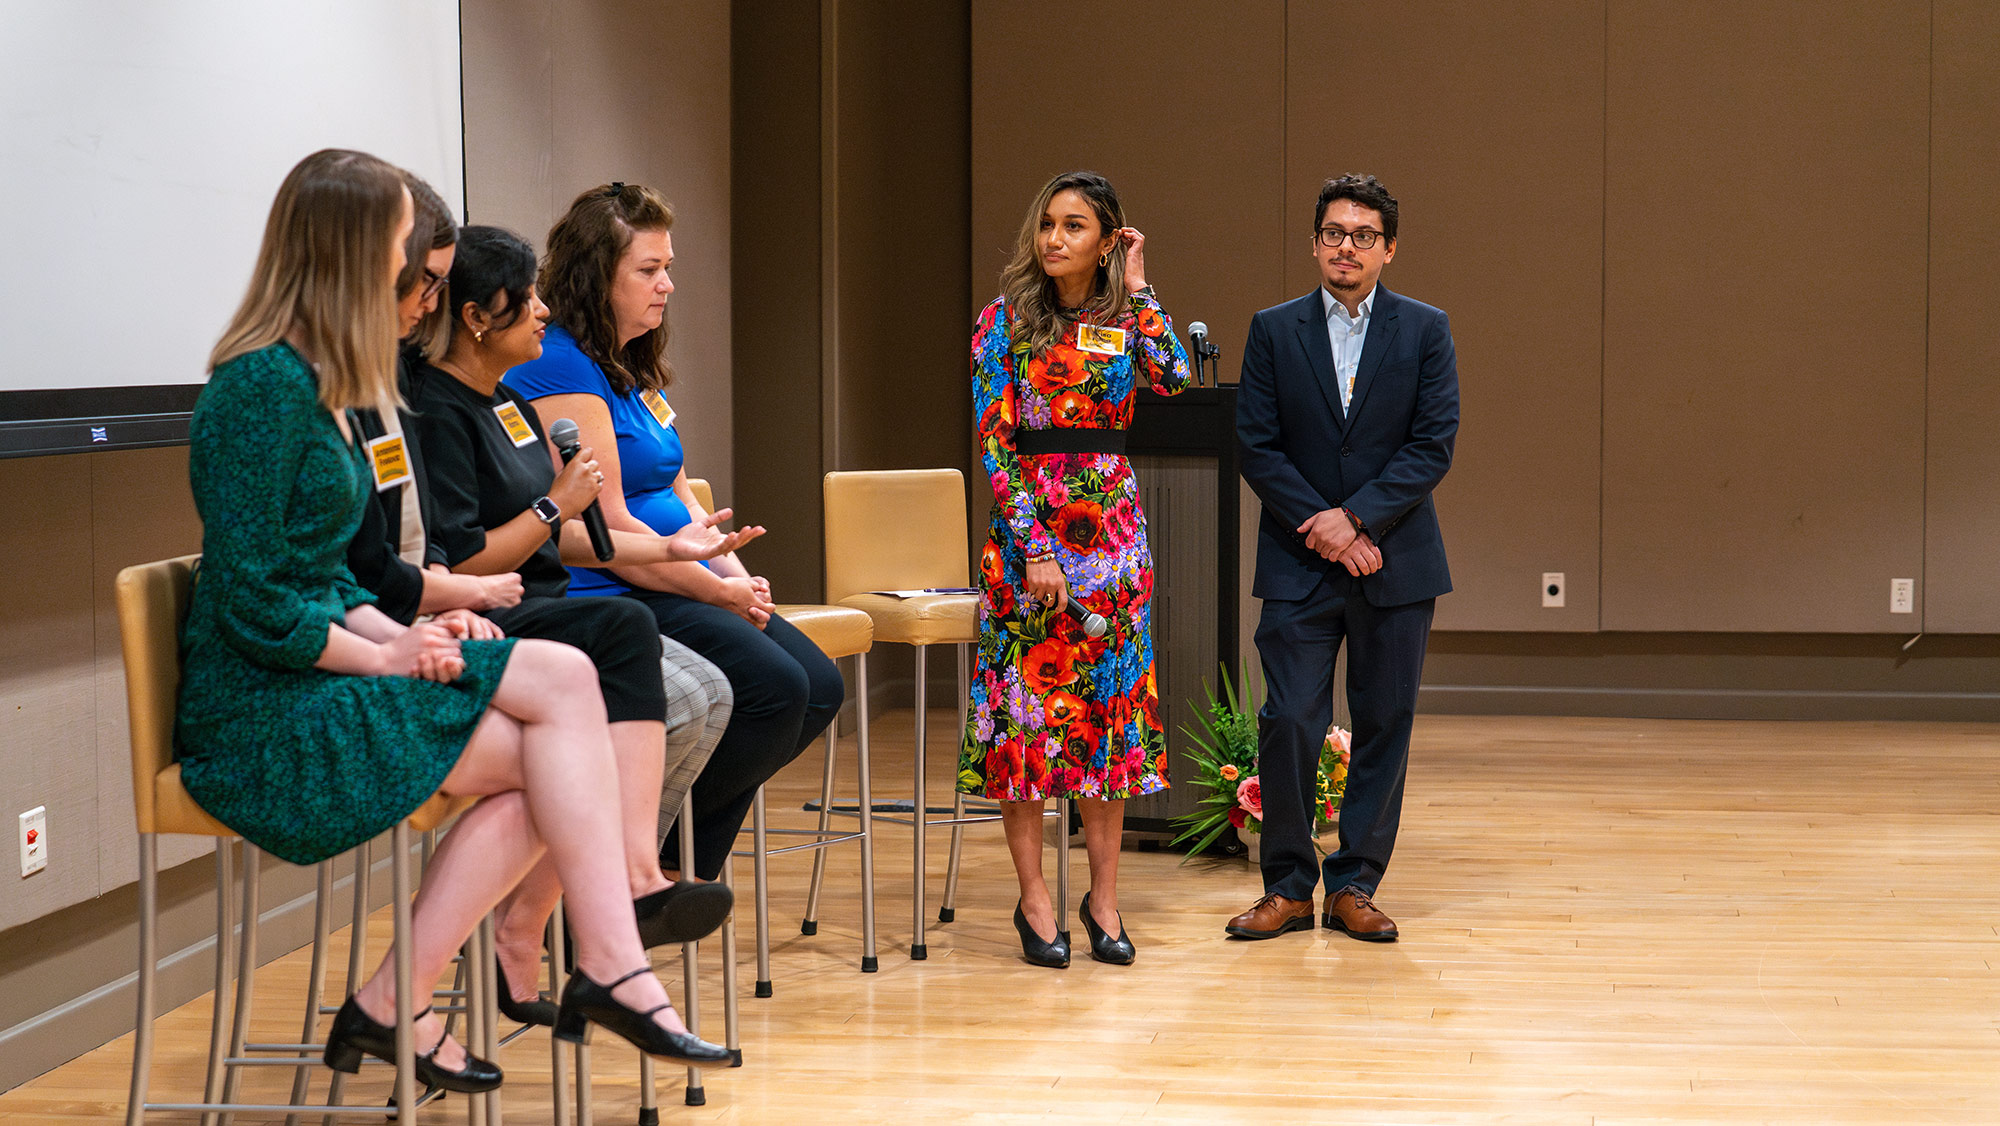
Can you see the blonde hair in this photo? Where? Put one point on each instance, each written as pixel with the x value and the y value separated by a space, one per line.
pixel 322 277
pixel 1033 308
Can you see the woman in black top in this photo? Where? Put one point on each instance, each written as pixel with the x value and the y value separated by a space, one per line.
pixel 389 554
pixel 498 505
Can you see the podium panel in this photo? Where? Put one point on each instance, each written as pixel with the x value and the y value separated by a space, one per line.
pixel 1183 452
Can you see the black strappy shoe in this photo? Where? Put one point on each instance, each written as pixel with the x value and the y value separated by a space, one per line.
pixel 686 912
pixel 584 1003
pixel 355 1033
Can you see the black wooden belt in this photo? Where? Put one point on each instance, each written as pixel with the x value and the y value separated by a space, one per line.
pixel 1070 440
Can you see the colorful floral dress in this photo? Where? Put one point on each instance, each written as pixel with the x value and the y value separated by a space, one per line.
pixel 1052 712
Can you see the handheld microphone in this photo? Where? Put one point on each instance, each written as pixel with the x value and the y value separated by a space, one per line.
pixel 1094 625
pixel 563 432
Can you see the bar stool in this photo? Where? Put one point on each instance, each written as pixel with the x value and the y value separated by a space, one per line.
pixel 905 530
pixel 839 632
pixel 152 603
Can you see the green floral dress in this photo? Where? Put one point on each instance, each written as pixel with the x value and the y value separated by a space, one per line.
pixel 305 764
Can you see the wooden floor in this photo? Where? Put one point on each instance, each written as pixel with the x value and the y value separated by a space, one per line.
pixel 1604 921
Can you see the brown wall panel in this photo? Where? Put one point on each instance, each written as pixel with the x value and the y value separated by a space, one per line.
pixel 1486 122
pixel 1180 104
pixel 1764 321
pixel 775 289
pixel 1962 518
pixel 561 98
pixel 905 183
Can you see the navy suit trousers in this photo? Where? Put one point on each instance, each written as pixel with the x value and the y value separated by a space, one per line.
pixel 1298 641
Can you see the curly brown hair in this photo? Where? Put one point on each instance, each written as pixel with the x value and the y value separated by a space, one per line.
pixel 584 248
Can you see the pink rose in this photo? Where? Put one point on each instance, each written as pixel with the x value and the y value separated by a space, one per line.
pixel 1342 739
pixel 1250 795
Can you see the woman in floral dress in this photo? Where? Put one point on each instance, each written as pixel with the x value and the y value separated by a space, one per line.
pixel 1056 364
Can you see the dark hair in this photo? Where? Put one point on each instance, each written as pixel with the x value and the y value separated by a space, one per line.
pixel 434 228
pixel 1364 190
pixel 1033 308
pixel 584 248
pixel 494 271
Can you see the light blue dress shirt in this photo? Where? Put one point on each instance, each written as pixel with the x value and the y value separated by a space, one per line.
pixel 1347 335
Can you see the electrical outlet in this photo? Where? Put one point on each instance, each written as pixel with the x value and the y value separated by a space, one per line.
pixel 1902 596
pixel 34 840
pixel 1553 588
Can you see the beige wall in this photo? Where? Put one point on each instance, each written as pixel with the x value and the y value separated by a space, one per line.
pixel 563 97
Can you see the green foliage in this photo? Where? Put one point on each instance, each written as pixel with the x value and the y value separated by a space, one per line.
pixel 1227 737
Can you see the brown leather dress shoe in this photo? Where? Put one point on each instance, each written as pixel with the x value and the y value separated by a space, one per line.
pixel 1352 911
pixel 1272 916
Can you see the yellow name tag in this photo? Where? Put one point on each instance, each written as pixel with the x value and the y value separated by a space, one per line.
pixel 391 461
pixel 1100 340
pixel 517 426
pixel 655 402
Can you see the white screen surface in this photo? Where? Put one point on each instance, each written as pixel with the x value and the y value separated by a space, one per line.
pixel 141 143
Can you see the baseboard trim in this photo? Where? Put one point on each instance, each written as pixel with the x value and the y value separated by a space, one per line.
pixel 1708 703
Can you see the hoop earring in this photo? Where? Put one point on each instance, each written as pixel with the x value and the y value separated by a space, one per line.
pixel 1104 259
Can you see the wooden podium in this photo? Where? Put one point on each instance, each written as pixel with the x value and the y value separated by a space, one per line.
pixel 1183 451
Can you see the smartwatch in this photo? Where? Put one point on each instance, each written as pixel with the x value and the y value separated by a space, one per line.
pixel 547 511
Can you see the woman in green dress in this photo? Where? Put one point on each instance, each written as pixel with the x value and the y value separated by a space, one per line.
pixel 310 722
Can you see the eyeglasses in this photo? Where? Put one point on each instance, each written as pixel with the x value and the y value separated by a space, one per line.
pixel 434 281
pixel 1364 238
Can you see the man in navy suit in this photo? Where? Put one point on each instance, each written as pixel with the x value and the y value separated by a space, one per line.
pixel 1345 417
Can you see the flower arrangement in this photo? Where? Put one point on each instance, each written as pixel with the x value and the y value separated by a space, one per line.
pixel 1224 752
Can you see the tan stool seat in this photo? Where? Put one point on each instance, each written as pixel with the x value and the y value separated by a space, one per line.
pixel 927 619
pixel 175 810
pixel 839 631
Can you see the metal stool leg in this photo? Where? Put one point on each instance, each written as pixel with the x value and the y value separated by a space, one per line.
pixel 867 803
pixel 1062 868
pixel 732 1018
pixel 315 982
pixel 559 1056
pixel 760 872
pixel 142 1036
pixel 246 976
pixel 696 1095
pixel 811 923
pixel 406 1070
pixel 357 953
pixel 949 909
pixel 919 823
pixel 225 942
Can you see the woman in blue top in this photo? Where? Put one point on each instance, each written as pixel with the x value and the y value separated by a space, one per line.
pixel 604 364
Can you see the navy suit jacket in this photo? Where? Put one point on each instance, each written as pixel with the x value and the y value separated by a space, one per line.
pixel 1381 460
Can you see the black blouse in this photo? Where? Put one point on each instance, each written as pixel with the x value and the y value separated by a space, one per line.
pixel 375 554
pixel 478 477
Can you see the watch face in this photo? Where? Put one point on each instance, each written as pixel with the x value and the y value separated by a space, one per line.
pixel 547 510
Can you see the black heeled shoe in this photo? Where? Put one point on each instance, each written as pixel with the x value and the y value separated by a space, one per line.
pixel 584 1003
pixel 685 912
pixel 355 1032
pixel 537 1011
pixel 1054 955
pixel 1117 951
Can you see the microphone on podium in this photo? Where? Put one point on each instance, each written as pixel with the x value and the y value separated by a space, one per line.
pixel 1201 351
pixel 563 432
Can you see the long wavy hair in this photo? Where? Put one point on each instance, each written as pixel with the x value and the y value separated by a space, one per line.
pixel 1033 309
pixel 584 248
pixel 323 273
pixel 435 228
